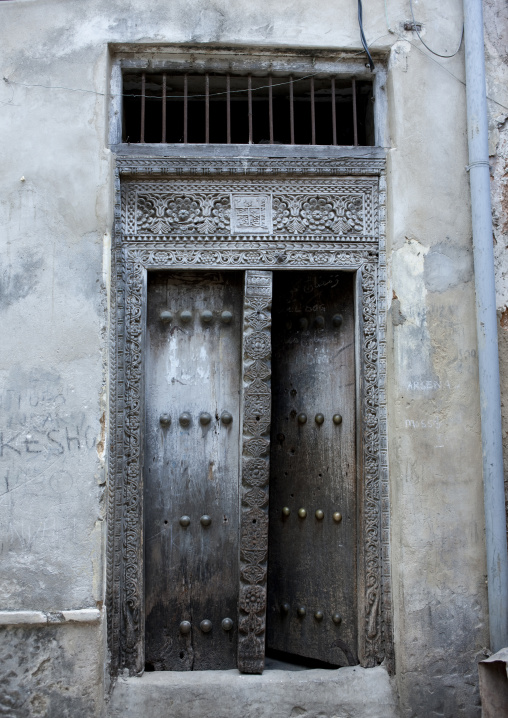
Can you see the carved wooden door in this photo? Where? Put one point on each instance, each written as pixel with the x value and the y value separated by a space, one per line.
pixel 312 544
pixel 248 237
pixel 191 474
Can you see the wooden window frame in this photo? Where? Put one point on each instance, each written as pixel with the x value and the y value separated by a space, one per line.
pixel 244 60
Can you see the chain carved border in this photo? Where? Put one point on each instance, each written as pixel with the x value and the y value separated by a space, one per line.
pixel 198 167
pixel 125 579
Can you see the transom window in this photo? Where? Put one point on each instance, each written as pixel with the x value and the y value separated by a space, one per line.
pixel 211 108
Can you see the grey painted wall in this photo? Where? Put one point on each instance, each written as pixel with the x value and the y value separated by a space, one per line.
pixel 56 211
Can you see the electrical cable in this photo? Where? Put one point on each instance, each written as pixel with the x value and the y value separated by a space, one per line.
pixel 387 21
pixel 362 36
pixel 8 81
pixel 438 54
pixel 155 97
pixel 113 95
pixel 429 57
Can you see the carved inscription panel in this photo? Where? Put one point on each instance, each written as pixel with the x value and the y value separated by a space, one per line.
pixel 251 214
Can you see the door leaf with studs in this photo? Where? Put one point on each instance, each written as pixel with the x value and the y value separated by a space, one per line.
pixel 192 455
pixel 208 460
pixel 312 533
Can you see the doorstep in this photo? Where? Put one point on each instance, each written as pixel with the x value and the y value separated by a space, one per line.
pixel 351 692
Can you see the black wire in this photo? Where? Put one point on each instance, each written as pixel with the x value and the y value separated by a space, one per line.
pixel 438 54
pixel 362 35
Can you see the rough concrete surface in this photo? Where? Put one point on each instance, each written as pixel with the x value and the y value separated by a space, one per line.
pixel 51 671
pixel 344 693
pixel 437 525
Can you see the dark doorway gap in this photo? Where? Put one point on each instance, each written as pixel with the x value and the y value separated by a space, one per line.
pixel 299 662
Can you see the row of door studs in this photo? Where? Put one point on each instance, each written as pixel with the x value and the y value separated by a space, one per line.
pixel 318 322
pixel 186 316
pixel 227 623
pixel 184 521
pixel 226 317
pixel 301 612
pixel 185 419
pixel 206 520
pixel 319 419
pixel 205 625
pixel 320 514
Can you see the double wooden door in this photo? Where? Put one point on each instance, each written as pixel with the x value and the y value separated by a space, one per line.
pixel 192 469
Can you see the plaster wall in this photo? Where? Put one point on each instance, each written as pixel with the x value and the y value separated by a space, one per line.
pixel 56 210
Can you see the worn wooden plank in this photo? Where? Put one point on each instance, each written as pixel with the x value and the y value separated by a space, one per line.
pixel 324 152
pixel 192 367
pixel 312 561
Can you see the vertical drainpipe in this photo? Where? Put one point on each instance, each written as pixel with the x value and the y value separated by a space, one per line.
pixel 486 322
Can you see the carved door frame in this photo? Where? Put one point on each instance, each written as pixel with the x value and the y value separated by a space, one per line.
pixel 136 254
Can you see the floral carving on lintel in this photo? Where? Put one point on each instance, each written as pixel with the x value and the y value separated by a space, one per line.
pixel 337 215
pixel 318 214
pixel 281 215
pixel 165 214
pixel 221 214
pixel 149 211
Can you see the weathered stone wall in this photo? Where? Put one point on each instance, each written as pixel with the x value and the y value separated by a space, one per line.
pixel 496 61
pixel 437 533
pixel 56 210
pixel 52 670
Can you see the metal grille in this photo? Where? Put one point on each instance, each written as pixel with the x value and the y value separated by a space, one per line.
pixel 249 109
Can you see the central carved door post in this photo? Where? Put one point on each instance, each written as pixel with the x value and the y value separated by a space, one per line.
pixel 255 470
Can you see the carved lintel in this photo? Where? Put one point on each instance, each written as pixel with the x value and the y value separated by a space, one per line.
pixel 257 349
pixel 343 209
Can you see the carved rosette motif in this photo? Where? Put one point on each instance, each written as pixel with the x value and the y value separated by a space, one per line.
pixel 330 215
pixel 255 470
pixel 192 204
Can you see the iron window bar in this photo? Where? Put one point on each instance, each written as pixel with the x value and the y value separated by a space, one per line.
pixel 224 109
pixel 185 108
pixel 163 133
pixel 292 109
